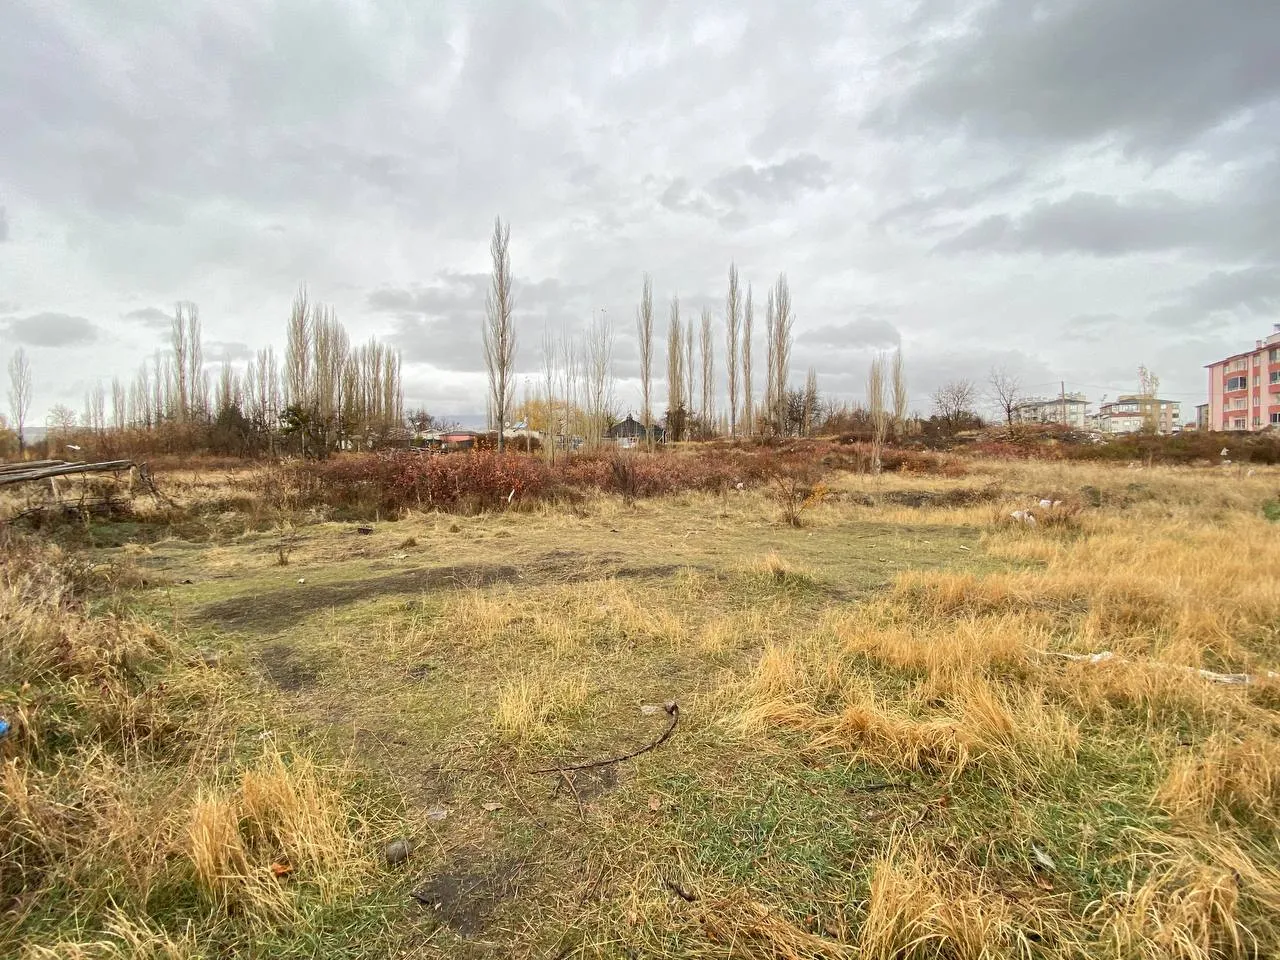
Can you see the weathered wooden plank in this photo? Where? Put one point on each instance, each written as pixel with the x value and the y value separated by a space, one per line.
pixel 64 470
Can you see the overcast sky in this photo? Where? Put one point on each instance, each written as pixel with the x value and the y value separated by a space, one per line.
pixel 1068 188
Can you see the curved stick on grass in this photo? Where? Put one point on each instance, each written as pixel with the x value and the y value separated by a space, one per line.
pixel 673 711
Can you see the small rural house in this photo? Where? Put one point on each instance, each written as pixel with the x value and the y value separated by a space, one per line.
pixel 631 433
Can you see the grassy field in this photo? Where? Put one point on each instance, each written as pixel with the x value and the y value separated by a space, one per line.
pixel 890 740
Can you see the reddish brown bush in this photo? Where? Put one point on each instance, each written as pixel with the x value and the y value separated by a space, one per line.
pixel 388 484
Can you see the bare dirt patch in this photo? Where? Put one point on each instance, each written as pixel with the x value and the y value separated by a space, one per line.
pixel 286 669
pixel 466 894
pixel 275 610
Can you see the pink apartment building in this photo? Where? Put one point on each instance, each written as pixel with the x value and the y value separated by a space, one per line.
pixel 1244 390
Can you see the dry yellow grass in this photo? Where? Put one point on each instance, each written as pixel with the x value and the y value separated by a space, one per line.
pixel 806 686
pixel 530 706
pixel 920 908
pixel 1239 776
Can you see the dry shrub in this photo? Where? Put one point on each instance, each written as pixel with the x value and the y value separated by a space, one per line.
pixel 527 706
pixel 795 485
pixel 1194 595
pixel 919 908
pixel 1158 695
pixel 285 813
pixel 942 651
pixel 389 484
pixel 113 780
pixel 743 924
pixel 774 569
pixel 125 938
pixel 1011 732
pixel 1238 778
pixel 1185 910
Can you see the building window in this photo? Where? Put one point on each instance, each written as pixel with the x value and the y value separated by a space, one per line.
pixel 1257 359
pixel 1238 423
pixel 1256 379
pixel 1237 383
pixel 1275 376
pixel 1275 419
pixel 1275 355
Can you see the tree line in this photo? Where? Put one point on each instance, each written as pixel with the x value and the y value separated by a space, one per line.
pixel 576 393
pixel 324 394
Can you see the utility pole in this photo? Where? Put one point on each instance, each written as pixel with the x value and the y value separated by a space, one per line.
pixel 1062 403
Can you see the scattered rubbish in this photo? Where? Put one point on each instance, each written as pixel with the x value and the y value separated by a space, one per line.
pixel 1024 516
pixel 438 814
pixel 875 786
pixel 1230 679
pixel 1050 504
pixel 1042 860
pixel 655 803
pixel 187 583
pixel 678 889
pixel 490 807
pixel 265 735
pixel 4 727
pixel 211 658
pixel 673 711
pixel 650 709
pixel 399 556
pixel 365 529
pixel 302 579
pixel 280 869
pixel 398 851
pixel 1225 452
pixel 739 486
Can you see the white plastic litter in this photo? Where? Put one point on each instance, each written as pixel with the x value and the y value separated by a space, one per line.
pixel 1105 655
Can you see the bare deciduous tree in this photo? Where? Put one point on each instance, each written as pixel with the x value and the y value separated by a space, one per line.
pixel 953 403
pixel 708 373
pixel 899 394
pixel 733 324
pixel 1006 391
pixel 599 374
pixel 499 330
pixel 20 393
pixel 772 403
pixel 780 352
pixel 550 377
pixel 644 328
pixel 676 406
pixel 119 404
pixel 811 402
pixel 297 355
pixel 95 408
pixel 1148 389
pixel 748 401
pixel 876 408
pixel 690 373
pixel 180 370
pixel 572 385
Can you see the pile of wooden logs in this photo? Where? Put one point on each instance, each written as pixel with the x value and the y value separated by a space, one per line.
pixel 41 487
pixel 30 470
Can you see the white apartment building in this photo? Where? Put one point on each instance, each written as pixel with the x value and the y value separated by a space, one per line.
pixel 1070 411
